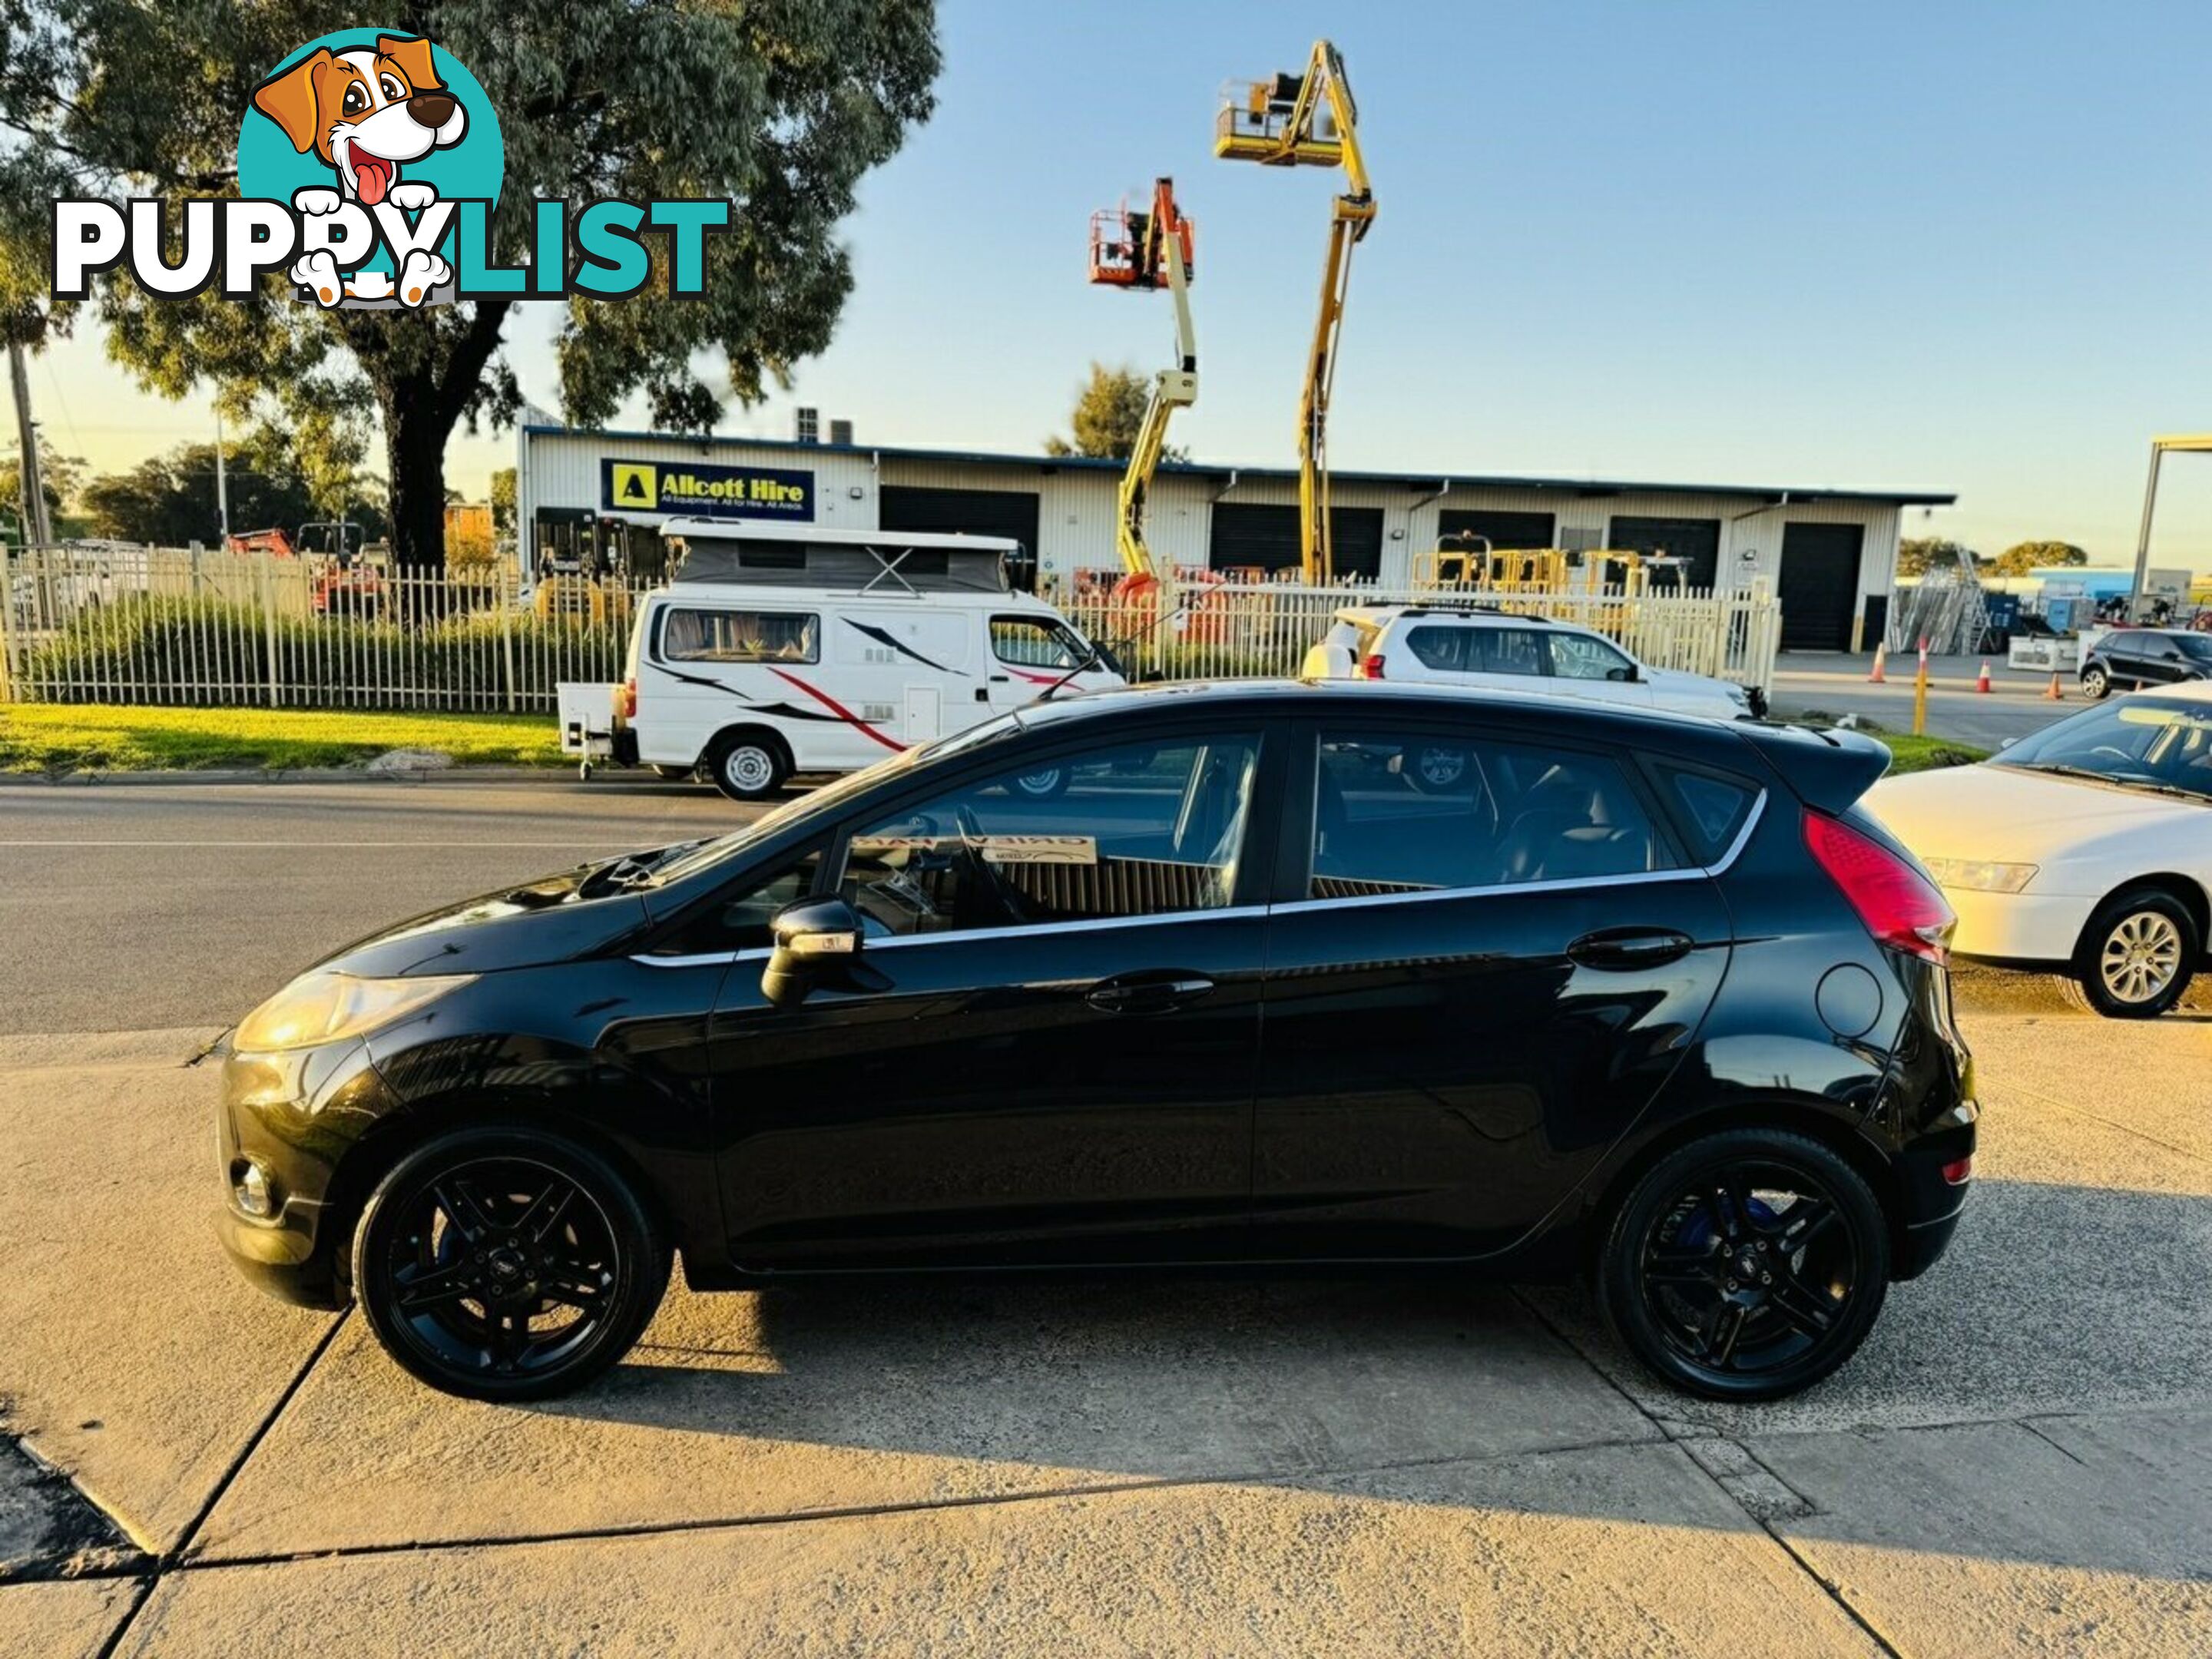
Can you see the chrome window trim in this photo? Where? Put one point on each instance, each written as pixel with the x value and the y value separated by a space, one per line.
pixel 1248 912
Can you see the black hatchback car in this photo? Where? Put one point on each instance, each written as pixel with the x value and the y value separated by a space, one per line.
pixel 1632 994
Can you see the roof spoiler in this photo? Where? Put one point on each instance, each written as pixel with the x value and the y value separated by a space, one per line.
pixel 1829 769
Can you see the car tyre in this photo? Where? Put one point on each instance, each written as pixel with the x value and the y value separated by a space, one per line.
pixel 747 765
pixel 2096 683
pixel 499 1263
pixel 1679 1273
pixel 2137 955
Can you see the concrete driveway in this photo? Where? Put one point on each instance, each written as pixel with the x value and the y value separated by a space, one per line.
pixel 2019 1462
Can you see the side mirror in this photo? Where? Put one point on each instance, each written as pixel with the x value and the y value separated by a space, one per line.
pixel 816 938
pixel 1627 676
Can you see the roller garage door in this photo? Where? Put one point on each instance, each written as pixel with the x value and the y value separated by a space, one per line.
pixel 1267 537
pixel 1009 513
pixel 1696 541
pixel 1819 585
pixel 1500 530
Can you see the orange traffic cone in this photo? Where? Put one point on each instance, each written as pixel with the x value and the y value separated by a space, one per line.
pixel 1880 660
pixel 2054 695
pixel 1983 683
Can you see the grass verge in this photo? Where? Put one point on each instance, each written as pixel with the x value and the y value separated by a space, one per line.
pixel 1925 754
pixel 57 738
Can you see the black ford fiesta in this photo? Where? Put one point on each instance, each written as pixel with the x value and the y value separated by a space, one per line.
pixel 1249 975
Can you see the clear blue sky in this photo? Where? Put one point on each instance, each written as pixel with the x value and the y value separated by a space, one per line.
pixel 1882 245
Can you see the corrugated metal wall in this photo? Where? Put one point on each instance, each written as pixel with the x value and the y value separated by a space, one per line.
pixel 1076 505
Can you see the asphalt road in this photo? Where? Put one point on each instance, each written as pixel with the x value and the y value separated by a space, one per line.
pixel 139 906
pixel 2017 1461
pixel 1834 685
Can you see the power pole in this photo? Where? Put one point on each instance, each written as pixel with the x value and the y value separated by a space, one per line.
pixel 38 528
pixel 222 488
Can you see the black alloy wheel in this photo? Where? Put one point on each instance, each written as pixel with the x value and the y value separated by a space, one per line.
pixel 1746 1265
pixel 506 1264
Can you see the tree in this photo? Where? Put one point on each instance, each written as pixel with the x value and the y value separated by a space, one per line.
pixel 58 476
pixel 2023 558
pixel 171 499
pixel 1109 409
pixel 1917 555
pixel 502 502
pixel 779 105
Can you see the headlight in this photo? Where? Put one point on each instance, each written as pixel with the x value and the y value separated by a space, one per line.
pixel 1979 875
pixel 324 1007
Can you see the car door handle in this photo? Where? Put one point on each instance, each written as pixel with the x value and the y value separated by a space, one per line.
pixel 1621 948
pixel 1147 993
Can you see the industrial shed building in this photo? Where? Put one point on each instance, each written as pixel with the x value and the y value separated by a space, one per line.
pixel 1831 554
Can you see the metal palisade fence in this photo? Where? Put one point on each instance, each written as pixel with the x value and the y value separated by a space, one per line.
pixel 121 624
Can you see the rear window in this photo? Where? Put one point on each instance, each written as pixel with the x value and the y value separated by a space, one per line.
pixel 1713 807
pixel 695 635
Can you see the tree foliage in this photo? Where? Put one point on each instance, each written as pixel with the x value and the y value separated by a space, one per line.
pixel 58 479
pixel 1110 409
pixel 1917 555
pixel 502 502
pixel 170 498
pixel 779 105
pixel 2023 558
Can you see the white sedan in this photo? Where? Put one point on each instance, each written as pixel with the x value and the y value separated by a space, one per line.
pixel 2085 850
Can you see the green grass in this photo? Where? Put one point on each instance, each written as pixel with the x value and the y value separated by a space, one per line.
pixel 53 738
pixel 1926 754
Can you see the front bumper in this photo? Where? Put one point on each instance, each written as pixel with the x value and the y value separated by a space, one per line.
pixel 2028 928
pixel 291 1116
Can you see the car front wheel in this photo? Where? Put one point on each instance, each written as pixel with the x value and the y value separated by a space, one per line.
pixel 2136 957
pixel 2096 683
pixel 506 1264
pixel 1745 1266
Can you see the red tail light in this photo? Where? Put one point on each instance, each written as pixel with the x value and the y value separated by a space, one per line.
pixel 626 700
pixel 1371 668
pixel 1901 908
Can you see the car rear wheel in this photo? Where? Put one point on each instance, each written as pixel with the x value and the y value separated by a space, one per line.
pixel 506 1264
pixel 2096 683
pixel 1745 1266
pixel 2136 957
pixel 746 766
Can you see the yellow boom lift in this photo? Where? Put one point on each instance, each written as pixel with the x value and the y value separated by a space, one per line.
pixel 1142 251
pixel 1310 120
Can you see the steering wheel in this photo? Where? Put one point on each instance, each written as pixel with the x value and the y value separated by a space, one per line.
pixel 1007 896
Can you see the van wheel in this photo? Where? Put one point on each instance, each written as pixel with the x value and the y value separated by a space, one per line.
pixel 746 765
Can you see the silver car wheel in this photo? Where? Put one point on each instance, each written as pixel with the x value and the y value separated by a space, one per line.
pixel 749 766
pixel 2140 957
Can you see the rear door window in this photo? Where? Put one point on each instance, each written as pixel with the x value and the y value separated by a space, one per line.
pixel 1403 809
pixel 1504 651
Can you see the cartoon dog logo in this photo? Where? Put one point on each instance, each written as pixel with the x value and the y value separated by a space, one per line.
pixel 365 114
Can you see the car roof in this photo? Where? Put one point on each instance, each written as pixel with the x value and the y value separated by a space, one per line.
pixel 1333 695
pixel 1382 616
pixel 737 596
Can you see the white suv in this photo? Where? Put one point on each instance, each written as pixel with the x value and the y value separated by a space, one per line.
pixel 1465 646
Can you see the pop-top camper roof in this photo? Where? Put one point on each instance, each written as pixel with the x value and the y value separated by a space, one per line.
pixel 884 561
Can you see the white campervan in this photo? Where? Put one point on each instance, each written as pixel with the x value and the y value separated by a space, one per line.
pixel 781 649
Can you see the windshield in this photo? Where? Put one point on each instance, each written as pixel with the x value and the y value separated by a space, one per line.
pixel 2198 645
pixel 2141 741
pixel 830 797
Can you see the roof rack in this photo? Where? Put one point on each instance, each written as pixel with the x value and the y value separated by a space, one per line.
pixel 1470 607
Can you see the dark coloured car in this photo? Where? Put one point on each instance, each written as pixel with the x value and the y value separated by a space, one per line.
pixel 1644 996
pixel 2127 659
